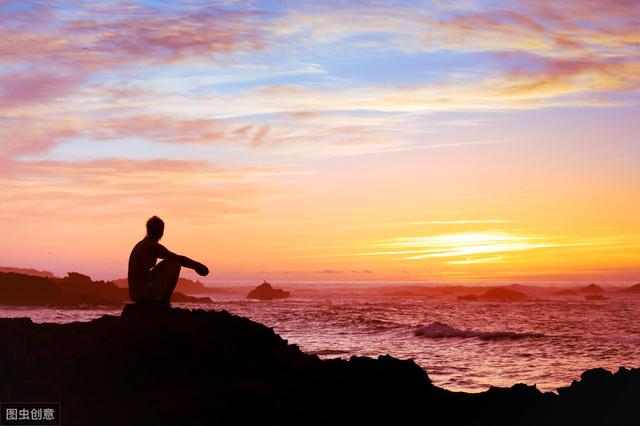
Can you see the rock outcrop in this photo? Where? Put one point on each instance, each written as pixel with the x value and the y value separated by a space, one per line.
pixel 468 297
pixel 566 292
pixel 265 292
pixel 634 289
pixel 595 297
pixel 501 294
pixel 591 289
pixel 185 286
pixel 74 290
pixel 154 366
pixel 27 271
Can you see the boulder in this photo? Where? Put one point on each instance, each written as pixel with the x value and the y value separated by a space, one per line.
pixel 595 297
pixel 468 297
pixel 503 295
pixel 72 291
pixel 565 292
pixel 634 289
pixel 265 292
pixel 591 289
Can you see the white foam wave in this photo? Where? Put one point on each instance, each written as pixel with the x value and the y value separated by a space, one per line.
pixel 437 330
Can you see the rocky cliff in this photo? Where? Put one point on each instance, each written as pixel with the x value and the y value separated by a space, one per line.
pixel 183 367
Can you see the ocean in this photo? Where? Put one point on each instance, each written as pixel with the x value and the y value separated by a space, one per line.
pixel 463 345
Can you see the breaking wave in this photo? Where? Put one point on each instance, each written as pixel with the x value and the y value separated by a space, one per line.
pixel 437 330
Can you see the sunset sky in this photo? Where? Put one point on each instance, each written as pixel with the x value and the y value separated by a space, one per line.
pixel 438 141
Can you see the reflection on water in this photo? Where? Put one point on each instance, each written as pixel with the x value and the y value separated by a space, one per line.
pixel 463 346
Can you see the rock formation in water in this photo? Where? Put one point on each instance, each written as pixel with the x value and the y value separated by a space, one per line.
pixel 265 292
pixel 566 292
pixel 591 289
pixel 74 290
pixel 468 297
pixel 502 295
pixel 634 289
pixel 185 286
pixel 151 366
pixel 595 297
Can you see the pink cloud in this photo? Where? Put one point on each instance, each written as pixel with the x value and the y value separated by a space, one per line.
pixel 56 53
pixel 117 187
pixel 107 36
pixel 29 134
pixel 24 87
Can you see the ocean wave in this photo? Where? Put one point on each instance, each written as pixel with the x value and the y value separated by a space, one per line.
pixel 437 330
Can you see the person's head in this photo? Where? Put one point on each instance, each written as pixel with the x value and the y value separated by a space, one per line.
pixel 155 228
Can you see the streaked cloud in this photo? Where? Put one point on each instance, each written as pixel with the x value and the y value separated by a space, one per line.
pixel 463 244
pixel 120 187
pixel 461 222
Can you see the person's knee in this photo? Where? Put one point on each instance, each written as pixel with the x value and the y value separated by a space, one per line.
pixel 172 265
pixel 169 264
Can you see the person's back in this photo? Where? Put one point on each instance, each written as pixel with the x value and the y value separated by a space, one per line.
pixel 151 282
pixel 143 257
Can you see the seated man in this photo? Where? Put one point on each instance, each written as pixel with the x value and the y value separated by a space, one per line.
pixel 151 283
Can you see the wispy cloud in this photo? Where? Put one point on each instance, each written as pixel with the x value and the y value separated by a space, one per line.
pixel 464 244
pixel 121 187
pixel 476 261
pixel 461 222
pixel 338 271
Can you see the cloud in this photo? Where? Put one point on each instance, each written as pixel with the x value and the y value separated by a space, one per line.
pixel 465 244
pixel 177 130
pixel 87 70
pixel 118 187
pixel 97 36
pixel 336 271
pixel 543 51
pixel 31 134
pixel 75 43
pixel 25 87
pixel 461 222
pixel 572 27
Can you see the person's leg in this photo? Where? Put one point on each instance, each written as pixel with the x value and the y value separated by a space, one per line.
pixel 141 292
pixel 165 278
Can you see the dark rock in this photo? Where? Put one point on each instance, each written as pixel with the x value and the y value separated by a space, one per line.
pixel 265 292
pixel 591 289
pixel 595 297
pixel 566 292
pixel 164 366
pixel 503 295
pixel 27 271
pixel 469 297
pixel 635 289
pixel 72 291
pixel 185 286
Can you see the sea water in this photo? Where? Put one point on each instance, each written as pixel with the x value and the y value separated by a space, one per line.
pixel 466 346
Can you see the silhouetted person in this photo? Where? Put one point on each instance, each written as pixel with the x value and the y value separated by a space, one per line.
pixel 151 283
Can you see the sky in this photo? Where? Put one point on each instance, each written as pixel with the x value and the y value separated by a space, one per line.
pixel 435 141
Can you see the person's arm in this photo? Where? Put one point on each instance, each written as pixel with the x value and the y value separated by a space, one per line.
pixel 200 268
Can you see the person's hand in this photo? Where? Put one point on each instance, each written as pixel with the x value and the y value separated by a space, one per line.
pixel 202 270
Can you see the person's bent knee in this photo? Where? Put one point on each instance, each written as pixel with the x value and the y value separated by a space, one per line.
pixel 169 264
pixel 174 264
